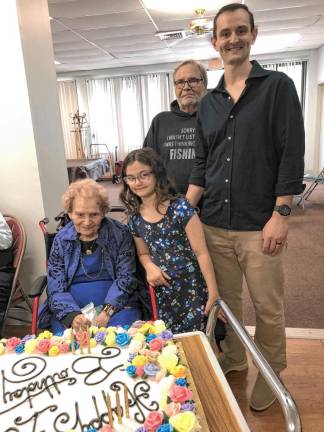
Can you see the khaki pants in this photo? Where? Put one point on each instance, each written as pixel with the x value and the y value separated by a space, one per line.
pixel 238 253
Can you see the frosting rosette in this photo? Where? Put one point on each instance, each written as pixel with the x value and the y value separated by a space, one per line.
pixel 2 348
pixel 100 336
pixel 135 346
pixel 153 420
pixel 180 394
pixel 185 422
pixel 12 343
pixel 54 351
pixel 172 409
pixel 45 335
pixel 151 370
pixel 64 348
pixel 30 346
pixel 131 371
pixel 179 371
pixel 170 349
pixel 145 328
pixel 139 337
pixel 165 428
pixel 43 346
pixel 110 339
pixel 156 344
pixel 168 361
pixel 139 360
pixel 166 335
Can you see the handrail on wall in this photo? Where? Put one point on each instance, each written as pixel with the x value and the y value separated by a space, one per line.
pixel 285 399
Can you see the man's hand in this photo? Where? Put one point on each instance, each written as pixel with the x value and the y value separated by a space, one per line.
pixel 155 276
pixel 275 234
pixel 80 322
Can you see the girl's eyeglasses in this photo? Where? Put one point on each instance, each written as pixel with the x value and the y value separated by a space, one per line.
pixel 142 176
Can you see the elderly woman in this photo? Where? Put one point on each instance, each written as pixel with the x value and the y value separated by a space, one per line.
pixel 92 260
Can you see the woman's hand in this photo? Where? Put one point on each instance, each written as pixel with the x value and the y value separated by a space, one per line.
pixel 80 322
pixel 155 276
pixel 102 319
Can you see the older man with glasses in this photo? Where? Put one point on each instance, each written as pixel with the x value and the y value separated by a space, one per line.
pixel 172 133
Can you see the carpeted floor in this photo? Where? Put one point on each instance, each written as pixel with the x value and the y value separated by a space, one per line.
pixel 304 263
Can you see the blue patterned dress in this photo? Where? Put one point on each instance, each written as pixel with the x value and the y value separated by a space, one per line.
pixel 182 304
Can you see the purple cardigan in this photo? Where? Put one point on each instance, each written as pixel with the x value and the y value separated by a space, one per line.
pixel 119 260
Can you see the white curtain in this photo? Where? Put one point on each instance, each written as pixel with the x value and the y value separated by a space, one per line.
pixel 68 105
pixel 121 109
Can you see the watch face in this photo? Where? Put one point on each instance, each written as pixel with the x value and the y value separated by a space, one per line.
pixel 284 210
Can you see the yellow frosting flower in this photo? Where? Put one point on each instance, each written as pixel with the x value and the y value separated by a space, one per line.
pixel 110 339
pixel 45 335
pixel 93 343
pixel 93 329
pixel 30 346
pixel 139 337
pixel 163 399
pixel 139 360
pixel 184 422
pixel 170 349
pixel 159 328
pixel 111 329
pixel 179 371
pixel 168 361
pixel 2 349
pixel 102 329
pixel 54 351
pixel 145 328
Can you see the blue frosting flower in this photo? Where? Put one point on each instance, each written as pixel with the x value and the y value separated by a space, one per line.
pixel 76 345
pixel 131 371
pixel 126 327
pixel 167 427
pixel 188 406
pixel 181 382
pixel 59 333
pixel 20 348
pixel 100 337
pixel 151 369
pixel 122 339
pixel 150 337
pixel 166 335
pixel 92 430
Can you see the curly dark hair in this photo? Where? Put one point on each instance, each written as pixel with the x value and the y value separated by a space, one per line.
pixel 164 189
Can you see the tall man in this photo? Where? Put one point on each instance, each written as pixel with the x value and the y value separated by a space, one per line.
pixel 249 150
pixel 172 133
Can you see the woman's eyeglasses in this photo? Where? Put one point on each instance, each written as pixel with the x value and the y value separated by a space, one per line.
pixel 142 176
pixel 192 82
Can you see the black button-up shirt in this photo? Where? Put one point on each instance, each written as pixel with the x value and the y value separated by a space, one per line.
pixel 250 152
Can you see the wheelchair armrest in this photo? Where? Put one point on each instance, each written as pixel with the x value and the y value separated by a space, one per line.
pixel 38 288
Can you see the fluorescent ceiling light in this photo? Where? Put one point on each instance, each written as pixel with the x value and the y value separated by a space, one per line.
pixel 282 40
pixel 181 6
pixel 57 62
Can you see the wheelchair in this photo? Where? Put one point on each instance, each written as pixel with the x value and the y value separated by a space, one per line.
pixel 40 284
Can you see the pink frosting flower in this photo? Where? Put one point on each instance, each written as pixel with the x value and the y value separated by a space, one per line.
pixel 153 421
pixel 140 371
pixel 12 343
pixel 82 337
pixel 172 409
pixel 106 429
pixel 180 394
pixel 64 348
pixel 43 346
pixel 156 344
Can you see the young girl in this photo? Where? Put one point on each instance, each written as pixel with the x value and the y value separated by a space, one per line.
pixel 170 243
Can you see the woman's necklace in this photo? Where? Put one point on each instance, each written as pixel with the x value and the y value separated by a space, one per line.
pixel 94 275
pixel 88 247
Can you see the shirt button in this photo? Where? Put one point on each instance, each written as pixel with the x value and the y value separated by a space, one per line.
pixel 228 159
pixel 226 180
pixel 231 116
pixel 229 138
pixel 226 201
pixel 229 97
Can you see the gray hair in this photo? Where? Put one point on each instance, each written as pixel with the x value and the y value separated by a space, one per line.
pixel 198 65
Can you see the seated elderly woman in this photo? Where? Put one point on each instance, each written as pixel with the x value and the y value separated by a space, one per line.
pixel 92 260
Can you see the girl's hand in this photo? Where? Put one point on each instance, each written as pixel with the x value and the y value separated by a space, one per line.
pixel 102 319
pixel 156 277
pixel 80 322
pixel 211 300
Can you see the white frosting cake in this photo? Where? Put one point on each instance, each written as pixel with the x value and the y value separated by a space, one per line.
pixel 62 392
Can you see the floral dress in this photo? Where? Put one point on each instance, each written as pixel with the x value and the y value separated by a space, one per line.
pixel 182 304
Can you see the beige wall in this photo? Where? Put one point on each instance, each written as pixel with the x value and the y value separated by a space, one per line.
pixel 32 165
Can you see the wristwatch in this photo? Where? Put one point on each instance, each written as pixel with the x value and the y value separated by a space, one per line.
pixel 109 310
pixel 283 210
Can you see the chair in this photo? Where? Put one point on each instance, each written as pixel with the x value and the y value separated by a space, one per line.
pixel 18 298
